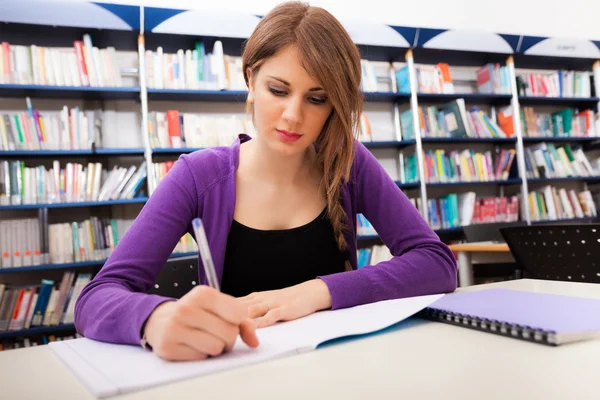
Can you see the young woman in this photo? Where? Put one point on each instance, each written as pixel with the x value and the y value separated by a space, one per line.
pixel 279 210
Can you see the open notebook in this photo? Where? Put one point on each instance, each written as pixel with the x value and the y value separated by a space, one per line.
pixel 111 369
pixel 538 317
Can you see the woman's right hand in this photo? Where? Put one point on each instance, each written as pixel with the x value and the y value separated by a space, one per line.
pixel 204 322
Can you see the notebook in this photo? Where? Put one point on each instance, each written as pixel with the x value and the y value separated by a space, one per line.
pixel 110 369
pixel 538 317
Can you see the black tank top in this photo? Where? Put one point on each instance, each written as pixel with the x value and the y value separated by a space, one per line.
pixel 259 260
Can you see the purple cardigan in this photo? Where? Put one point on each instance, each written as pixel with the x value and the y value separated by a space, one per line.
pixel 114 305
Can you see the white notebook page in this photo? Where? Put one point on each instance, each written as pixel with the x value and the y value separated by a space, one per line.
pixel 110 369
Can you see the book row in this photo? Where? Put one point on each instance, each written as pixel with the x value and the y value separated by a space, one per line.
pixel 67 129
pixel 70 183
pixel 551 204
pixel 174 129
pixel 31 241
pixel 568 122
pixel 453 120
pixel 561 83
pixel 464 209
pixel 456 210
pixel 437 79
pixel 48 304
pixel 443 166
pixel 82 65
pixel 545 160
pixel 196 68
pixel 78 129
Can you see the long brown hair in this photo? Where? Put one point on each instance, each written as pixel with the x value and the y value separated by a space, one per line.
pixel 328 54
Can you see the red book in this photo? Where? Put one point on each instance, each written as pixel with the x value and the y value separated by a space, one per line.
pixel 83 73
pixel 5 69
pixel 174 128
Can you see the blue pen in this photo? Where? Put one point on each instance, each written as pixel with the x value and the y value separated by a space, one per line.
pixel 204 252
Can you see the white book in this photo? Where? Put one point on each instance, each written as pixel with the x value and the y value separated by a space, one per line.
pixel 5 245
pixel 56 66
pixel 110 369
pixel 65 68
pixel 29 315
pixel 17 243
pixel 550 206
pixel 115 70
pixel 158 69
pixel 50 307
pixel 218 66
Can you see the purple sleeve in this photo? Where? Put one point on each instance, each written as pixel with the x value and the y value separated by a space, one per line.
pixel 114 305
pixel 421 263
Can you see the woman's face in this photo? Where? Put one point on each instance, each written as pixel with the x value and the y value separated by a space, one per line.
pixel 290 107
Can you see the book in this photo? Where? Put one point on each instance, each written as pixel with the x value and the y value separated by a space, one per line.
pixel 537 317
pixel 112 369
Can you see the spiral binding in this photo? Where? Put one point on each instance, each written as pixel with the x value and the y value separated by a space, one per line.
pixel 492 326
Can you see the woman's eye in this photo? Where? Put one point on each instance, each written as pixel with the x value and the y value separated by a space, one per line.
pixel 317 100
pixel 277 92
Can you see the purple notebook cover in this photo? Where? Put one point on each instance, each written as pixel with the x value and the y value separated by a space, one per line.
pixel 549 312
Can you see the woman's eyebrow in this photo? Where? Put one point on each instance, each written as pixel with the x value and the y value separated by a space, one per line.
pixel 288 84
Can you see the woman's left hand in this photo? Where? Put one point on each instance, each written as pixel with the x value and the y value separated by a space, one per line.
pixel 287 304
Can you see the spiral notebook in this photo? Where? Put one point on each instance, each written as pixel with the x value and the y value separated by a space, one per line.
pixel 538 317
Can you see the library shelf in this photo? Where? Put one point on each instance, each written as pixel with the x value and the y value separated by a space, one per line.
pixel 71 92
pixel 44 153
pixel 367 237
pixel 197 95
pixel 410 185
pixel 494 182
pixel 119 151
pixel 441 231
pixel 38 330
pixel 387 97
pixel 137 200
pixel 74 265
pixel 479 98
pixel 570 139
pixel 589 179
pixel 67 153
pixel 180 150
pixel 391 144
pixel 449 140
pixel 582 102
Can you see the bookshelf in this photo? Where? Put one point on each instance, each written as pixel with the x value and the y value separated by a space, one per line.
pixel 139 200
pixel 70 92
pixel 136 31
pixel 59 153
pixel 40 330
pixel 73 265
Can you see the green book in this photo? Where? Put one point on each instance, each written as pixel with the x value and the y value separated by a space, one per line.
pixel 455 117
pixel 201 55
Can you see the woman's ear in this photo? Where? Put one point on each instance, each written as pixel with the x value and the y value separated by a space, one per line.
pixel 250 85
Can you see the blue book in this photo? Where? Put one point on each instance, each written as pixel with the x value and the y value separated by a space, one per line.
pixel 42 302
pixel 402 80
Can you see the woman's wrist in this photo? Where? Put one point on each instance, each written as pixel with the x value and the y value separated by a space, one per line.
pixel 320 293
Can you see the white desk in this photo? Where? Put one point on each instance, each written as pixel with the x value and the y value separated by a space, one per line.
pixel 425 360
